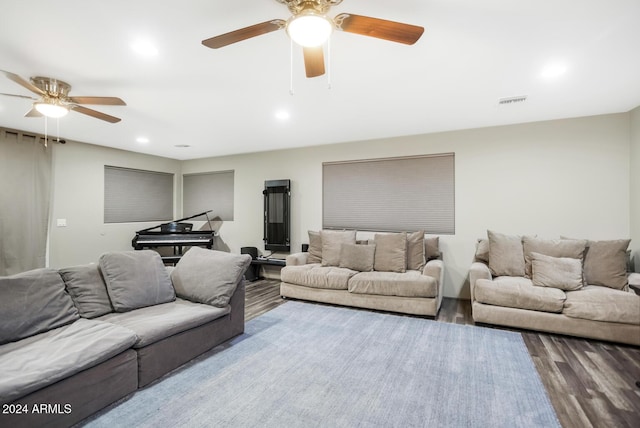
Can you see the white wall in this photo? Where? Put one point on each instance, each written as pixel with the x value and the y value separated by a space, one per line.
pixel 569 177
pixel 635 186
pixel 78 197
pixel 572 177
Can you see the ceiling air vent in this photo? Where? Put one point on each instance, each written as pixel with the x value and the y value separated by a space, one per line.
pixel 512 100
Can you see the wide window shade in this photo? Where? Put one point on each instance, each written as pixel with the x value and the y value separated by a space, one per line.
pixel 208 191
pixel 393 194
pixel 132 195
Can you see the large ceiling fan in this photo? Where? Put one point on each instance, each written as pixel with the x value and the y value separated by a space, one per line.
pixel 55 101
pixel 309 26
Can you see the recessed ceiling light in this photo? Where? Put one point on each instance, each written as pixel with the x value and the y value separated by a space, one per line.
pixel 144 47
pixel 282 115
pixel 182 146
pixel 142 140
pixel 551 71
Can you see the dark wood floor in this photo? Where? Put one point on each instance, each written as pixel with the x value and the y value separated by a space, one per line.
pixel 590 383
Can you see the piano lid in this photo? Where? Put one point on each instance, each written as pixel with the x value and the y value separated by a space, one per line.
pixel 163 226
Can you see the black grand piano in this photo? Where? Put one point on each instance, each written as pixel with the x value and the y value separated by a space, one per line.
pixel 174 234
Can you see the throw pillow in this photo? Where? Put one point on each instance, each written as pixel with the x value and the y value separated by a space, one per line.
pixel 33 302
pixel 482 251
pixel 391 252
pixel 564 273
pixel 209 276
pixel 136 279
pixel 552 247
pixel 357 257
pixel 432 248
pixel 506 256
pixel 605 263
pixel 415 250
pixel 332 241
pixel 315 248
pixel 87 289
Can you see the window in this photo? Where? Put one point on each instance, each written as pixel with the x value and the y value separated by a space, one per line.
pixel 208 191
pixel 132 195
pixel 392 194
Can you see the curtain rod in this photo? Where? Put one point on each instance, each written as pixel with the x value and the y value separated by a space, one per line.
pixel 32 135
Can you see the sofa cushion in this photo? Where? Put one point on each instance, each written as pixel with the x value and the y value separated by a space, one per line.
pixel 154 323
pixel 135 279
pixel 315 247
pixel 87 289
pixel 432 248
pixel 599 303
pixel 38 361
pixel 391 252
pixel 606 263
pixel 357 257
pixel 332 241
pixel 33 302
pixel 316 276
pixel 520 293
pixel 408 284
pixel 415 250
pixel 209 276
pixel 574 249
pixel 506 256
pixel 564 273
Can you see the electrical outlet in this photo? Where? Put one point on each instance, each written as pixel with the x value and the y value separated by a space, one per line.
pixel 61 222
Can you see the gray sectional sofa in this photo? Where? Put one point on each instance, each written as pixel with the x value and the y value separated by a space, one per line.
pixel 565 286
pixel 75 340
pixel 397 272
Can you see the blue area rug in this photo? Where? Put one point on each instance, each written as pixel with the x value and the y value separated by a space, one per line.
pixel 307 365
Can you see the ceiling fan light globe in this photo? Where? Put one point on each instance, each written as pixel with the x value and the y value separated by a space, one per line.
pixel 51 110
pixel 309 29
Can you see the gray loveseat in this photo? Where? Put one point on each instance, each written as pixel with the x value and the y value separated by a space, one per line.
pixel 565 286
pixel 75 340
pixel 397 272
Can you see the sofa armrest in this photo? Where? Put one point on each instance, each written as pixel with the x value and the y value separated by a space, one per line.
pixel 478 271
pixel 237 304
pixel 435 269
pixel 297 259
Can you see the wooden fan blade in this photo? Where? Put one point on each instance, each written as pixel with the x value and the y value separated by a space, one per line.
pixel 244 33
pixel 107 101
pixel 33 113
pixel 96 114
pixel 20 81
pixel 19 96
pixel 314 61
pixel 379 28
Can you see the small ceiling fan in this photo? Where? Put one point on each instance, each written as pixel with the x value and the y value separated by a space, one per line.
pixel 310 27
pixel 55 101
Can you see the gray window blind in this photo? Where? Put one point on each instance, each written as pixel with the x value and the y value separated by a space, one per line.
pixel 132 195
pixel 392 194
pixel 208 191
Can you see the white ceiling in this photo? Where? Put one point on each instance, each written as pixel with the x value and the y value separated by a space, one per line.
pixel 224 101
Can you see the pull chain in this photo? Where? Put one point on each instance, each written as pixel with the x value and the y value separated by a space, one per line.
pixel 329 63
pixel 291 66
